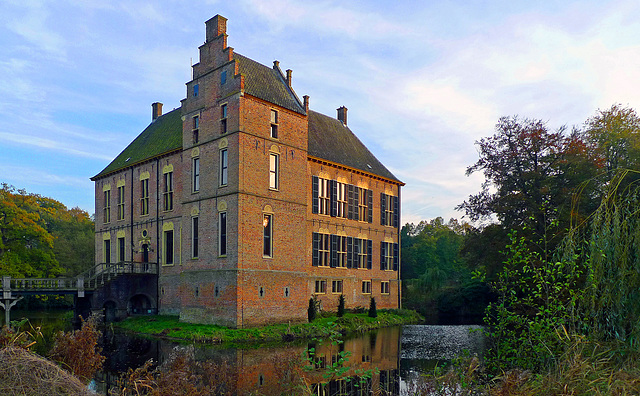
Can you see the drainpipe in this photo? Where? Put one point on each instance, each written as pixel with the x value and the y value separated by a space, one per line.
pixel 157 235
pixel 399 251
pixel 131 224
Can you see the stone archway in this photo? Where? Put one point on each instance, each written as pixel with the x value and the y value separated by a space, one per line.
pixel 140 304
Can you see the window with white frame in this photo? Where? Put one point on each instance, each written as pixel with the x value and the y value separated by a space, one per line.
pixel 273 171
pixel 363 209
pixel 384 287
pixel 144 197
pixel 321 286
pixel 324 250
pixel 342 252
pixel 366 287
pixel 360 249
pixel 107 206
pixel 195 128
pixel 167 193
pixel 274 124
pixel 195 175
pixel 386 256
pixel 223 167
pixel 341 200
pixel 223 119
pixel 336 286
pixel 121 194
pixel 324 196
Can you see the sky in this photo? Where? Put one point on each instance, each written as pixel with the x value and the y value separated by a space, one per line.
pixel 423 80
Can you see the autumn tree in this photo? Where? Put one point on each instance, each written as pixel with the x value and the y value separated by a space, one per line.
pixel 530 174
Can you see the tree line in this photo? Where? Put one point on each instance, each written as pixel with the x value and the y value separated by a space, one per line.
pixel 40 237
pixel 555 246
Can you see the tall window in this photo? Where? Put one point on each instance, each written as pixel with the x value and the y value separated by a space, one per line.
pixel 267 225
pixel 223 118
pixel 321 249
pixel 121 250
pixel 363 207
pixel 144 197
pixel 342 252
pixel 274 124
pixel 195 129
pixel 107 250
pixel 194 237
pixel 223 167
pixel 389 210
pixel 107 206
pixel 168 247
pixel 223 77
pixel 121 203
pixel 195 173
pixel 341 200
pixel 360 249
pixel 167 195
pixel 389 256
pixel 324 198
pixel 273 171
pixel 196 90
pixel 384 287
pixel 222 233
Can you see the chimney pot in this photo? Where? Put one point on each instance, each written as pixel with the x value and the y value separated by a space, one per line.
pixel 276 64
pixel 289 72
pixel 342 114
pixel 156 110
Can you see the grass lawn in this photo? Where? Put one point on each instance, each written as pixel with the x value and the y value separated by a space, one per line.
pixel 171 327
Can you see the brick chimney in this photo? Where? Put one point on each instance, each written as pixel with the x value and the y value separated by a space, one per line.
pixel 342 114
pixel 156 110
pixel 289 72
pixel 216 27
pixel 306 103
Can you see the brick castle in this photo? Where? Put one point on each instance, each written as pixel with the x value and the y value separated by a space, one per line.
pixel 250 202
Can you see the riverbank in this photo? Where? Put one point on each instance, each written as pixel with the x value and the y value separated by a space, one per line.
pixel 169 327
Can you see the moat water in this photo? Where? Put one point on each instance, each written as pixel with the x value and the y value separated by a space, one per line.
pixel 391 358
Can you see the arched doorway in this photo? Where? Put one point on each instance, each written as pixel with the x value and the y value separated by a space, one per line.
pixel 140 305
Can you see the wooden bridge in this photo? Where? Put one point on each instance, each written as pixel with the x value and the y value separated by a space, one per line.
pixel 13 289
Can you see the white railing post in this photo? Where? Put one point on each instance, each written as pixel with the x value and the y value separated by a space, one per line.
pixel 80 286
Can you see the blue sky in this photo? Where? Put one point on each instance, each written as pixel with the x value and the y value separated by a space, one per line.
pixel 423 80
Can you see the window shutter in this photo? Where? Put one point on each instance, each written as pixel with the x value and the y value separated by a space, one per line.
pixel 369 253
pixel 356 203
pixel 334 197
pixel 396 256
pixel 314 194
pixel 396 212
pixel 383 208
pixel 349 201
pixel 316 250
pixel 334 251
pixel 383 245
pixel 370 205
pixel 349 252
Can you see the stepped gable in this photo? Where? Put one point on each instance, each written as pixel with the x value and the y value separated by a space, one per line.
pixel 267 84
pixel 333 141
pixel 162 136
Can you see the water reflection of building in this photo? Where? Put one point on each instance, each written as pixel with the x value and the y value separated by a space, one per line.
pixel 371 364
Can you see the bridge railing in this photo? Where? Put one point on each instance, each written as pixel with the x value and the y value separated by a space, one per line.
pixel 105 272
pixel 44 284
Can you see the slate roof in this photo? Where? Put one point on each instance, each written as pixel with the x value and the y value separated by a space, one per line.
pixel 329 139
pixel 162 136
pixel 333 141
pixel 267 83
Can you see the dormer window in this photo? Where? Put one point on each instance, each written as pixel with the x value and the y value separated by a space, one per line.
pixel 223 119
pixel 274 124
pixel 196 90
